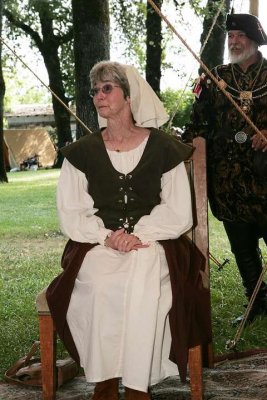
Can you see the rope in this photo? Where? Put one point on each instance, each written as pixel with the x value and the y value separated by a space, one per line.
pixel 201 51
pixel 47 87
pixel 230 344
pixel 221 84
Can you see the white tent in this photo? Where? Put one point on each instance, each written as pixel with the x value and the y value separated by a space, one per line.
pixel 25 143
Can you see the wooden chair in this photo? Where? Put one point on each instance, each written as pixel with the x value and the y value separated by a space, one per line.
pixel 197 355
pixel 47 336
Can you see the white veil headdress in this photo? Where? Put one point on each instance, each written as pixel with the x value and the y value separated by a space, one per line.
pixel 147 109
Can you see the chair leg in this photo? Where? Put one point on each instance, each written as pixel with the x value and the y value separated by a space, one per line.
pixel 195 372
pixel 48 356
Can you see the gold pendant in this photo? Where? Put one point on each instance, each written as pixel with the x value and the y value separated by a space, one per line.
pixel 246 100
pixel 246 109
pixel 245 95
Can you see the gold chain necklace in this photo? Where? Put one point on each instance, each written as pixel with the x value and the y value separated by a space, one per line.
pixel 246 96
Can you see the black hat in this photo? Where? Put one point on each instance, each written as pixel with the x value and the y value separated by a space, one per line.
pixel 249 24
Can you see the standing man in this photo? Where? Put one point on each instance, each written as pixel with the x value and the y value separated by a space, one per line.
pixel 237 190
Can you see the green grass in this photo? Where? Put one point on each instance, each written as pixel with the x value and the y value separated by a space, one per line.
pixel 228 298
pixel 28 204
pixel 30 251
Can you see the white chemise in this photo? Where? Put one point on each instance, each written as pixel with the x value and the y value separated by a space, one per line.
pixel 118 312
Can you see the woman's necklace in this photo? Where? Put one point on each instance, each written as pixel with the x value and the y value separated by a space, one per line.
pixel 246 96
pixel 115 148
pixel 123 144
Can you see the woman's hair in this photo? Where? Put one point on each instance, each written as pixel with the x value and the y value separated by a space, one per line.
pixel 112 71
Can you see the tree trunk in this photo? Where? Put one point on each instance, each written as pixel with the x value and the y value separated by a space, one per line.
pixel 214 50
pixel 49 50
pixel 3 175
pixel 91 44
pixel 153 46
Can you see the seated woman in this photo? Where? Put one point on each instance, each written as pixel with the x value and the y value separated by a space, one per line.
pixel 124 200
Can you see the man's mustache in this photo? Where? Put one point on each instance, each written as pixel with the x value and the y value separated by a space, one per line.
pixel 235 47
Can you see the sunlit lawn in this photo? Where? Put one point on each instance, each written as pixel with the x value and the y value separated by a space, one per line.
pixel 30 250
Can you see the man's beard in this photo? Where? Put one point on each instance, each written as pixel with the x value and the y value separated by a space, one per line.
pixel 244 56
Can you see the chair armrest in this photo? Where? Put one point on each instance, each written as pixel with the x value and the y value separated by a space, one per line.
pixel 41 303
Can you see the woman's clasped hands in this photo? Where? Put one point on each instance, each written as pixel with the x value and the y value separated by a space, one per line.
pixel 123 241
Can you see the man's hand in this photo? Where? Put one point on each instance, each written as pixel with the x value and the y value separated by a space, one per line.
pixel 259 141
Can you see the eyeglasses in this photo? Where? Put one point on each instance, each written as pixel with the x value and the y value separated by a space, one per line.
pixel 106 89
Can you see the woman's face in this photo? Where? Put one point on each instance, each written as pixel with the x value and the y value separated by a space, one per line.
pixel 108 98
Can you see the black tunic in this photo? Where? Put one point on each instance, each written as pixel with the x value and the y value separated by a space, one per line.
pixel 236 192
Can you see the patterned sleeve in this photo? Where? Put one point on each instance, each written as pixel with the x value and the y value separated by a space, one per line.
pixel 200 117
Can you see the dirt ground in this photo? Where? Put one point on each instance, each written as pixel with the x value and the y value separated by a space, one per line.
pixel 237 379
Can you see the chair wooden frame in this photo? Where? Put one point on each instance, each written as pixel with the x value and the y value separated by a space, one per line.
pixel 48 356
pixel 199 356
pixel 196 354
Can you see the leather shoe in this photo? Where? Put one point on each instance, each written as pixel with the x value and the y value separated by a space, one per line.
pixel 131 394
pixel 107 390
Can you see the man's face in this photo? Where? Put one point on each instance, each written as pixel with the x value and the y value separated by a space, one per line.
pixel 240 47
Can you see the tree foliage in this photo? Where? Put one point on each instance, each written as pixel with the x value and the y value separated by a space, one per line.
pixel 27 13
pixel 130 19
pixel 178 105
pixel 213 52
pixel 43 22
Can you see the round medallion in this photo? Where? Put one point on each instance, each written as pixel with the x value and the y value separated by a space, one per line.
pixel 241 137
